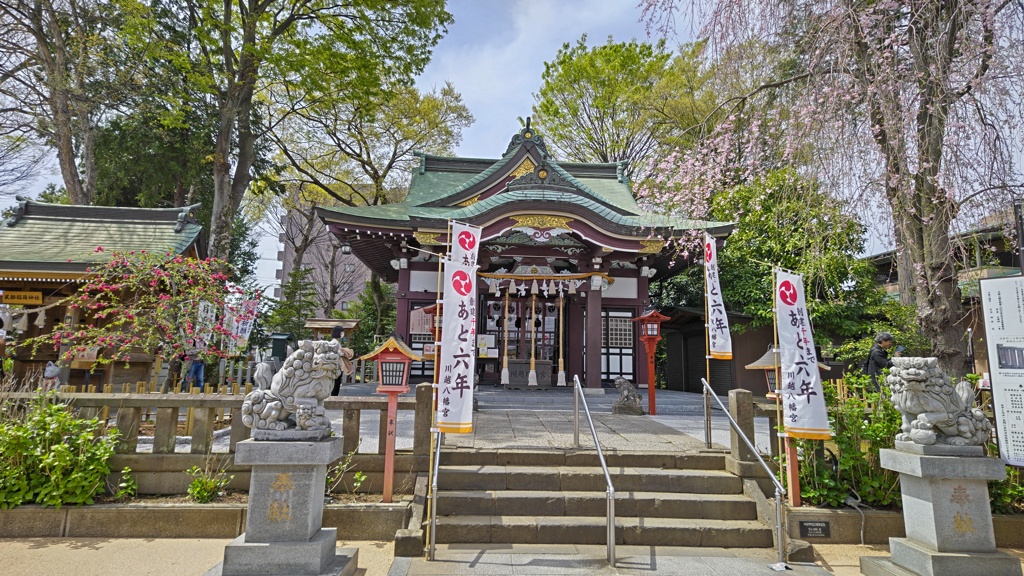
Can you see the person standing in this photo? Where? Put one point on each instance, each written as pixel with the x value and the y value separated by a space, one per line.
pixel 878 357
pixel 336 333
pixel 197 370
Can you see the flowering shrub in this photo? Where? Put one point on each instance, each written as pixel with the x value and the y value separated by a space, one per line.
pixel 151 302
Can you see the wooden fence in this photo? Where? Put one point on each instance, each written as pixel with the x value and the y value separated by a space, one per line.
pixel 166 418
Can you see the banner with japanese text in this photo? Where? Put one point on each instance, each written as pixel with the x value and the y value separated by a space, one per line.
pixel 719 339
pixel 465 244
pixel 237 321
pixel 803 399
pixel 457 360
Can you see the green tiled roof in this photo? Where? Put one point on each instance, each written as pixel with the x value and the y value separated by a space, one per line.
pixel 599 188
pixel 53 237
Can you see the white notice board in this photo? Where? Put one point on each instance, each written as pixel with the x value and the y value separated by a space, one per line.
pixel 1002 303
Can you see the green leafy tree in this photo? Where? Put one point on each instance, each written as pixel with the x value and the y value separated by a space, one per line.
pixel 232 51
pixel 354 155
pixel 297 304
pixel 365 309
pixel 595 103
pixel 147 159
pixel 62 69
pixel 787 221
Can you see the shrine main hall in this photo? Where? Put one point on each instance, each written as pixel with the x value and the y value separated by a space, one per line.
pixel 565 259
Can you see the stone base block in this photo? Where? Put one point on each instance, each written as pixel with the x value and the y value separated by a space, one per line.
pixel 940 449
pixel 916 559
pixel 313 558
pixel 881 566
pixel 281 453
pixel 291 435
pixel 344 563
pixel 947 467
pixel 408 543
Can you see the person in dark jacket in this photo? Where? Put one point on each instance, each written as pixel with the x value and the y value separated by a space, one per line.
pixel 336 335
pixel 878 358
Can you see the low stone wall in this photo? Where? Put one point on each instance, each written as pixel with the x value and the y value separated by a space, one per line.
pixel 353 521
pixel 165 473
pixel 879 526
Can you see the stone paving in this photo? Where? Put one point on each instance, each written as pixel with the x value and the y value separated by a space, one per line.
pixel 544 419
pixel 572 559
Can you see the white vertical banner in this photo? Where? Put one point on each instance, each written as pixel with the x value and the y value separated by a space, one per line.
pixel 205 321
pixel 719 338
pixel 1002 304
pixel 457 360
pixel 465 244
pixel 803 399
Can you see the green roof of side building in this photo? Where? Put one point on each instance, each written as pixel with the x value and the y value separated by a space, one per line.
pixel 61 238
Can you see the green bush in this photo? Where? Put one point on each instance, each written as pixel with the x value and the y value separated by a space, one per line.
pixel 850 460
pixel 830 470
pixel 1007 496
pixel 207 485
pixel 51 457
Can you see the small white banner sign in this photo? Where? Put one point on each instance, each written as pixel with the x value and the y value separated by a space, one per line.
pixel 719 339
pixel 803 399
pixel 457 361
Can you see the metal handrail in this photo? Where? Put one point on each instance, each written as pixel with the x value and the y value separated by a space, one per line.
pixel 780 492
pixel 577 395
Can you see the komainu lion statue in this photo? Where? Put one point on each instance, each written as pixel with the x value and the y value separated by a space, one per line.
pixel 294 397
pixel 934 412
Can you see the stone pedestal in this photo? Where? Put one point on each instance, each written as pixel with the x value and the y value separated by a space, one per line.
pixel 283 534
pixel 946 514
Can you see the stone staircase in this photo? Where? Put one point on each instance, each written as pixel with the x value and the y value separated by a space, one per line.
pixel 559 497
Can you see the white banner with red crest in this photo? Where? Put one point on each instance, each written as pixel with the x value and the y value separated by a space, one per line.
pixel 803 399
pixel 465 244
pixel 457 361
pixel 719 338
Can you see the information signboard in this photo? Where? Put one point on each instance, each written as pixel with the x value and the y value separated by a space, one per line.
pixel 1002 303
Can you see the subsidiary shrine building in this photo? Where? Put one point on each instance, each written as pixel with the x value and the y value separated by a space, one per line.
pixel 565 260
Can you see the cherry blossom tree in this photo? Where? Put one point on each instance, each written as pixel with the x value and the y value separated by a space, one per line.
pixel 141 302
pixel 908 111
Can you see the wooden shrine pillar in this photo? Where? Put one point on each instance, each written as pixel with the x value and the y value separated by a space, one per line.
pixel 593 357
pixel 402 305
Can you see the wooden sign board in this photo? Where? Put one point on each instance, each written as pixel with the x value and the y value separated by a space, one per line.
pixel 23 298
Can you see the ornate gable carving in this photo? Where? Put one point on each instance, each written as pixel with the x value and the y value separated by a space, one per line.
pixel 542 175
pixel 528 136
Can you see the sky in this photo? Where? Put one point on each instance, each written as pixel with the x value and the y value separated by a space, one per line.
pixel 493 54
pixel 495 51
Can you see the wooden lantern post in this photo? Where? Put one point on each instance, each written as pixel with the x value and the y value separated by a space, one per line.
pixel 393 360
pixel 650 335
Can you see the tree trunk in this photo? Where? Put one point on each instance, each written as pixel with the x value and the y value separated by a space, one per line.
pixel 63 141
pixel 378 302
pixel 220 218
pixel 173 369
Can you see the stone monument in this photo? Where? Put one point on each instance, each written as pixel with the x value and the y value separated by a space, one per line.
pixel 944 476
pixel 289 453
